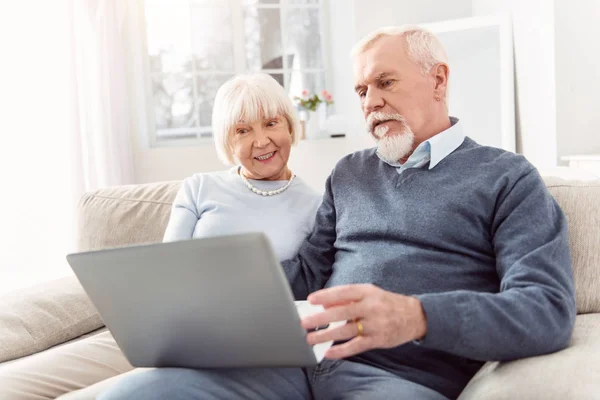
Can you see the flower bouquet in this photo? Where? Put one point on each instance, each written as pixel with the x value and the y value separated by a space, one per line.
pixel 308 104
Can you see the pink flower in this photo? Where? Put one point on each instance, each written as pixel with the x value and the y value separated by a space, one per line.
pixel 328 97
pixel 305 92
pixel 325 93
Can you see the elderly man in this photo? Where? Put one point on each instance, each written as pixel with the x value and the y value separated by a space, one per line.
pixel 441 253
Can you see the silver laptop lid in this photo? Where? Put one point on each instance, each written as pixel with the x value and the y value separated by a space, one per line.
pixel 202 303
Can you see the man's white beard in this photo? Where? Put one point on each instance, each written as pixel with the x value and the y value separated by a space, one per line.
pixel 392 148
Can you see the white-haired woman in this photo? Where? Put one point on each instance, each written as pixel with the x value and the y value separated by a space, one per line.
pixel 254 127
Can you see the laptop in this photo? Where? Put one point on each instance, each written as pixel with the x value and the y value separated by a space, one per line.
pixel 218 302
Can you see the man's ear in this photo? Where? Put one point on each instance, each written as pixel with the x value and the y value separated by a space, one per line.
pixel 441 73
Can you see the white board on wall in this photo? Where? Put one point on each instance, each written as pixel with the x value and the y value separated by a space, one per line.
pixel 481 83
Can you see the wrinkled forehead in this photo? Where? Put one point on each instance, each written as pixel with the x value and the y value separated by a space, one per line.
pixel 385 56
pixel 365 72
pixel 370 71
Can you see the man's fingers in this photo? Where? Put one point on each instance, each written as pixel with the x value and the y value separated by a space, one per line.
pixel 346 312
pixel 343 332
pixel 339 295
pixel 355 346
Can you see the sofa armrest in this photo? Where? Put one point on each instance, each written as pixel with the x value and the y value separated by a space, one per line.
pixel 37 318
pixel 573 373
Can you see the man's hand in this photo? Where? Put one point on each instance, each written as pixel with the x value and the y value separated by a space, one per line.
pixel 388 319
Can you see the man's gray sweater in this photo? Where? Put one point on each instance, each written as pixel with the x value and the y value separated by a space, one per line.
pixel 478 239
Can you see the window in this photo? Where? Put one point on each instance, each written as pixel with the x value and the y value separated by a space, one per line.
pixel 196 45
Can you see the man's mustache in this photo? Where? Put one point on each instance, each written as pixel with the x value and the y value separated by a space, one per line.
pixel 376 118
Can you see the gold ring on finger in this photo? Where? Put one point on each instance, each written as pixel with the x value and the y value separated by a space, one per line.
pixel 359 328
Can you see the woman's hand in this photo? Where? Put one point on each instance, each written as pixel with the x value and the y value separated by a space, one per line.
pixel 386 319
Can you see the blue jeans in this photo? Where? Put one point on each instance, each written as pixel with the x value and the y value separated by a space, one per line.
pixel 329 380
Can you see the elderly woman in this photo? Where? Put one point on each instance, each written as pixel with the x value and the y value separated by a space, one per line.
pixel 254 127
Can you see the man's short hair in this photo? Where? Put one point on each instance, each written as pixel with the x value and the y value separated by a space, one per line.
pixel 249 98
pixel 422 46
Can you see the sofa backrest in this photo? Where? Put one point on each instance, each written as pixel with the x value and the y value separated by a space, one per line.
pixel 124 215
pixel 139 214
pixel 580 201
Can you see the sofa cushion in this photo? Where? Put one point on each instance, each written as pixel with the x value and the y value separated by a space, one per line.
pixel 63 369
pixel 573 373
pixel 125 215
pixel 580 202
pixel 37 318
pixel 94 391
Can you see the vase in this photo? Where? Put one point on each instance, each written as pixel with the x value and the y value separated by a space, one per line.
pixel 312 125
pixel 322 117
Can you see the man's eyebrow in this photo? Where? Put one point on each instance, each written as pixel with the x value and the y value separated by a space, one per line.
pixel 378 77
pixel 383 75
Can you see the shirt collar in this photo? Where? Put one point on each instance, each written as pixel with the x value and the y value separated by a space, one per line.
pixel 445 142
pixel 436 148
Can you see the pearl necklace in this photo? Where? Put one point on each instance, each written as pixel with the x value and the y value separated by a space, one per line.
pixel 264 192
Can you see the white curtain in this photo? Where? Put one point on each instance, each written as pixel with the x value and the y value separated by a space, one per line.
pixel 102 96
pixel 70 101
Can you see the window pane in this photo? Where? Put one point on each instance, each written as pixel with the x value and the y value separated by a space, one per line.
pixel 173 101
pixel 279 78
pixel 263 38
pixel 303 37
pixel 206 89
pixel 314 82
pixel 191 52
pixel 212 38
pixel 168 33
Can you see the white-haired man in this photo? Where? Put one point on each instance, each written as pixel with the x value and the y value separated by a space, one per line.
pixel 441 253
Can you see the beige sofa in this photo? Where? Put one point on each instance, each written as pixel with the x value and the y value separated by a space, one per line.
pixel 52 341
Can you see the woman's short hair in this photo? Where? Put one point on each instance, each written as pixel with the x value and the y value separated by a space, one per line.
pixel 249 98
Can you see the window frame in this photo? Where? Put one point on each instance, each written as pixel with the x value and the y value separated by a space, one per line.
pixel 239 59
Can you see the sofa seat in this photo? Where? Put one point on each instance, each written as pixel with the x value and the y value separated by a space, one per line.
pixel 573 373
pixel 62 369
pixel 89 366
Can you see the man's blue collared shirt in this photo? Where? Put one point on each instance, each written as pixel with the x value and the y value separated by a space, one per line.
pixel 434 149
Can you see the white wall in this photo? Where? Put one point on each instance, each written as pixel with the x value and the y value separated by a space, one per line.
pixel 533 36
pixel 173 163
pixel 342 37
pixel 578 76
pixel 373 14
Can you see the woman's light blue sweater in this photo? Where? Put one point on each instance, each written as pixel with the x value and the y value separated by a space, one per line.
pixel 219 203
